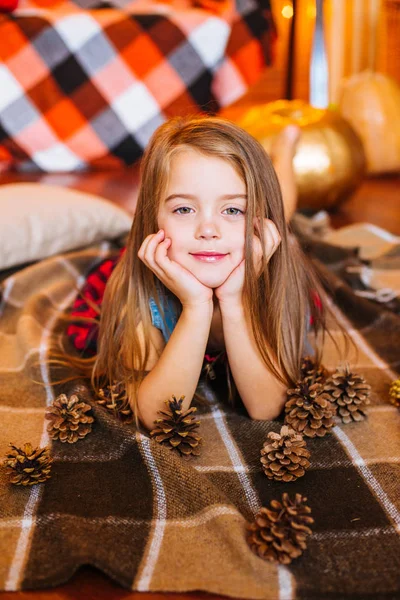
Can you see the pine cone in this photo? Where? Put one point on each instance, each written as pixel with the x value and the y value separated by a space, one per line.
pixel 284 455
pixel 68 419
pixel 176 429
pixel 349 391
pixel 114 398
pixel 310 410
pixel 394 393
pixel 28 466
pixel 311 372
pixel 279 533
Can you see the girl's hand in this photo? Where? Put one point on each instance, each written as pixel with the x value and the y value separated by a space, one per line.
pixel 189 290
pixel 232 288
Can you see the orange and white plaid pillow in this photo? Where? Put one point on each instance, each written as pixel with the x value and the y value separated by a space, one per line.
pixel 86 88
pixel 219 7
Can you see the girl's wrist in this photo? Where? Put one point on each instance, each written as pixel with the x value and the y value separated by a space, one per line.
pixel 231 308
pixel 203 308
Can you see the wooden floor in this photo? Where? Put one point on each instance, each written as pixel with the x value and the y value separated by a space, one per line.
pixel 376 201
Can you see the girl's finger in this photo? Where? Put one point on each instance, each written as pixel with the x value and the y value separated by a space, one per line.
pixel 276 232
pixel 273 233
pixel 153 242
pixel 145 244
pixel 150 246
pixel 257 249
pixel 257 225
pixel 159 260
pixel 268 239
pixel 270 244
pixel 160 254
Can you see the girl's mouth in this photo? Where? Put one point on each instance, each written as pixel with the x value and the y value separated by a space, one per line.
pixel 209 257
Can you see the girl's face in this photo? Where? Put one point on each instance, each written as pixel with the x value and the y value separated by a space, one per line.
pixel 203 211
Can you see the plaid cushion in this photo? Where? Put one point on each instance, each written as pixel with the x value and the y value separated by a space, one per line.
pixel 87 88
pixel 217 6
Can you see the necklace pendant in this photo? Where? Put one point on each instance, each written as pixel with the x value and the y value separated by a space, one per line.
pixel 210 371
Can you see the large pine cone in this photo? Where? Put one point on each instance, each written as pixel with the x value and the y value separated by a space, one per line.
pixel 311 372
pixel 350 392
pixel 28 466
pixel 279 533
pixel 175 429
pixel 114 398
pixel 310 410
pixel 394 393
pixel 284 455
pixel 68 419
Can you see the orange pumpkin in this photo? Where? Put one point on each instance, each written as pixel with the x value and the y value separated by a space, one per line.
pixel 329 161
pixel 371 103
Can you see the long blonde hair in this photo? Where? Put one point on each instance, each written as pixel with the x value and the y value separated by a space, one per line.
pixel 276 302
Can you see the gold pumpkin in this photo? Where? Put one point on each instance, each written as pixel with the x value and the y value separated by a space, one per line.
pixel 329 162
pixel 371 103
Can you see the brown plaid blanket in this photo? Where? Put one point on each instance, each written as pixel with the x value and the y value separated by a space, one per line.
pixel 120 501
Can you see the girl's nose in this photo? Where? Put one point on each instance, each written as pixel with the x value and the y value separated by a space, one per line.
pixel 207 230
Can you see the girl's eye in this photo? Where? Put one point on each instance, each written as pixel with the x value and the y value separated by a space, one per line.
pixel 230 208
pixel 233 208
pixel 181 208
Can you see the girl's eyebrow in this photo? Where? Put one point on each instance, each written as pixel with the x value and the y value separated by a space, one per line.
pixel 191 197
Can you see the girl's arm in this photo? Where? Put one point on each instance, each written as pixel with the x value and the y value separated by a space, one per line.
pixel 262 394
pixel 178 369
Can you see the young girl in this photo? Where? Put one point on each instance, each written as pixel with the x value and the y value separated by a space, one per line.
pixel 210 266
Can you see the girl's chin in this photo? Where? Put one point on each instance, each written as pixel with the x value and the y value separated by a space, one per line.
pixel 212 280
pixel 211 283
pixel 210 274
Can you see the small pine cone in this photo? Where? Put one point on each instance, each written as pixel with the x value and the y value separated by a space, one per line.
pixel 28 466
pixel 279 533
pixel 310 410
pixel 68 419
pixel 394 393
pixel 311 372
pixel 284 455
pixel 114 398
pixel 350 392
pixel 175 429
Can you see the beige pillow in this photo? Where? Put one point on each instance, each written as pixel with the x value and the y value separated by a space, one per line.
pixel 39 220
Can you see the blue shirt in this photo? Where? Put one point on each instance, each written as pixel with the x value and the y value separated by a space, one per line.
pixel 172 314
